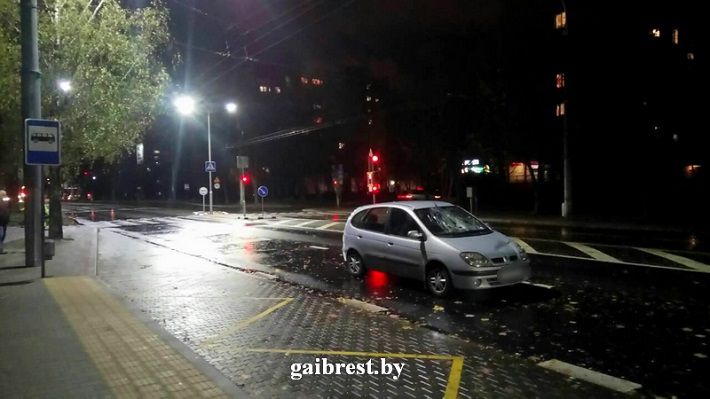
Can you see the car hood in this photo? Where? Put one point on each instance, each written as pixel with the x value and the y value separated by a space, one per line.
pixel 491 245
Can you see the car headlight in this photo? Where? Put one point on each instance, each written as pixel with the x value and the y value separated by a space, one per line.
pixel 475 259
pixel 521 251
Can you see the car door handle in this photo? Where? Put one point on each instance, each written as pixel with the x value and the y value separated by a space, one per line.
pixel 389 244
pixel 359 236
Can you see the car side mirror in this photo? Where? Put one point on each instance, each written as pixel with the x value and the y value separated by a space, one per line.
pixel 415 234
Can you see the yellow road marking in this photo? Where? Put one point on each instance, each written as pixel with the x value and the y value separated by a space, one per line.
pixel 593 252
pixel 248 321
pixel 693 264
pixel 133 360
pixel 452 386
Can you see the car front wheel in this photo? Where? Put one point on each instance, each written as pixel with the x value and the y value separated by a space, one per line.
pixel 354 264
pixel 438 281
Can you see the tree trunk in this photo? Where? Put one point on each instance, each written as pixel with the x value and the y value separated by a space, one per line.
pixel 55 205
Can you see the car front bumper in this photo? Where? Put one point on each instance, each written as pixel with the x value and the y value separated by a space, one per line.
pixel 509 274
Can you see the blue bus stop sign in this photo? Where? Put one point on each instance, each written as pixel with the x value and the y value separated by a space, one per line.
pixel 262 191
pixel 42 142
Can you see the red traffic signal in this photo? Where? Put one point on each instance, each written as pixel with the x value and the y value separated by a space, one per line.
pixel 245 179
pixel 375 158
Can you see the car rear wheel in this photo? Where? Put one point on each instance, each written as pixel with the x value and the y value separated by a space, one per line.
pixel 354 264
pixel 438 281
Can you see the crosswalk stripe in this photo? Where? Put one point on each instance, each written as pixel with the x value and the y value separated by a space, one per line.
pixel 593 252
pixel 284 221
pixel 525 245
pixel 305 223
pixel 693 264
pixel 327 225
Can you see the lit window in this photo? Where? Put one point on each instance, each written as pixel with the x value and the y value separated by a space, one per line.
pixel 691 56
pixel 561 20
pixel 377 100
pixel 560 80
pixel 368 98
pixel 655 32
pixel 304 80
pixel 369 122
pixel 560 110
pixel 263 89
pixel 317 106
pixel 277 89
pixel 675 36
pixel 341 145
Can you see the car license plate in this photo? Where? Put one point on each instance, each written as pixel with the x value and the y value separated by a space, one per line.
pixel 510 274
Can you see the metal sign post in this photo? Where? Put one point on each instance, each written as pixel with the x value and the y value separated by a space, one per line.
pixel 203 192
pixel 210 166
pixel 42 147
pixel 262 192
pixel 242 163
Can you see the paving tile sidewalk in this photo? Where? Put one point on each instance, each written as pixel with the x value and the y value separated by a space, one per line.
pixel 68 337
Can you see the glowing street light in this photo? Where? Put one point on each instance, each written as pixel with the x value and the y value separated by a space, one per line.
pixel 64 85
pixel 231 107
pixel 185 105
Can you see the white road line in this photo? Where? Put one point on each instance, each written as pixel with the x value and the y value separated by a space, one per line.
pixel 305 223
pixel 549 287
pixel 525 245
pixel 327 225
pixel 317 247
pixel 593 252
pixel 693 264
pixel 284 221
pixel 580 373
pixel 621 262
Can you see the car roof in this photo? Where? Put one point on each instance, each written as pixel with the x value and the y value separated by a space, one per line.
pixel 416 204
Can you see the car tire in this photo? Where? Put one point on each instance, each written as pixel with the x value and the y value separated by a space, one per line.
pixel 354 264
pixel 438 281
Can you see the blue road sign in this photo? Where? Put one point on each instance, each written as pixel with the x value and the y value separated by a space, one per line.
pixel 262 191
pixel 210 166
pixel 42 142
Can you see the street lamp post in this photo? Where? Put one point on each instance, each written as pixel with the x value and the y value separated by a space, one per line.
pixel 209 155
pixel 186 106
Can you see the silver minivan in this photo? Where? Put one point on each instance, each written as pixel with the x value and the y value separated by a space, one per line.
pixel 433 241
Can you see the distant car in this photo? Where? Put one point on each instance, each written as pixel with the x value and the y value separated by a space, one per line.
pixel 433 241
pixel 417 194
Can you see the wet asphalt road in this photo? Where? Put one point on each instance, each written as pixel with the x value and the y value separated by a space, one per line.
pixel 649 326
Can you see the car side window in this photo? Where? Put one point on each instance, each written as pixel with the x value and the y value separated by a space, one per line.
pixel 358 219
pixel 375 220
pixel 400 223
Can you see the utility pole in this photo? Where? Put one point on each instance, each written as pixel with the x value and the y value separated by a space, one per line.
pixel 566 167
pixel 31 108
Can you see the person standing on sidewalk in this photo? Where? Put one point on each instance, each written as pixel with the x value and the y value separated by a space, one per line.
pixel 4 217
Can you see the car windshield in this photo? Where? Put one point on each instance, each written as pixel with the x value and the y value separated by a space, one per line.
pixel 451 221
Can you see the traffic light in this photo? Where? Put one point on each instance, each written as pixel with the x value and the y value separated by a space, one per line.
pixel 375 158
pixel 245 178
